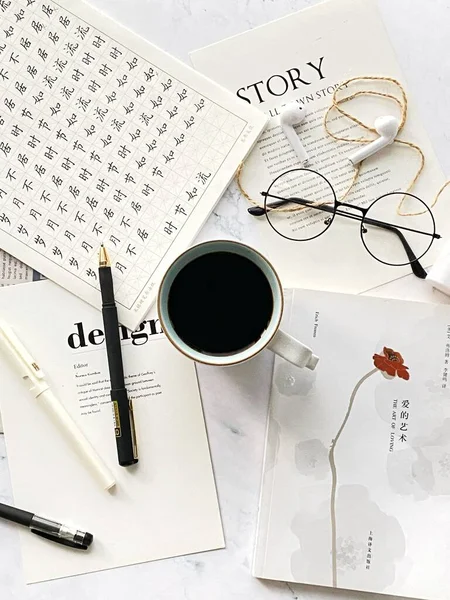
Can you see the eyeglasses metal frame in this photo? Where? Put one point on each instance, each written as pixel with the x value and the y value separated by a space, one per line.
pixel 334 210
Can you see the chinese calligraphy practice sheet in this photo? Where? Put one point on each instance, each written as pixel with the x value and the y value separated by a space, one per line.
pixel 106 139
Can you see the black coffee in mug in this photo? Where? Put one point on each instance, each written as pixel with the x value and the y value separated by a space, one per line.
pixel 220 303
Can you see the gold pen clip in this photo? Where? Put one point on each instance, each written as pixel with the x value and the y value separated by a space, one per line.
pixel 133 430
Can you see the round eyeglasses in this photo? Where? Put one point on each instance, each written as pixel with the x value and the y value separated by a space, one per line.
pixel 309 207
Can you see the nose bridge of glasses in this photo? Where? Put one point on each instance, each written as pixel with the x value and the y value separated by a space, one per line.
pixel 354 207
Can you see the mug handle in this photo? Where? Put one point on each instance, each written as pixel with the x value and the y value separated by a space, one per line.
pixel 293 351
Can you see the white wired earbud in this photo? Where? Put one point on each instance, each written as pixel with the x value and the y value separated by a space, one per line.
pixel 387 127
pixel 293 114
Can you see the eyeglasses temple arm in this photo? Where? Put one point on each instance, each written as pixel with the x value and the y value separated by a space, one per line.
pixel 416 267
pixel 260 211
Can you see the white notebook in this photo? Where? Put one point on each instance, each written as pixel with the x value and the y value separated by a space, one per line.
pixel 356 481
pixel 164 506
pixel 104 138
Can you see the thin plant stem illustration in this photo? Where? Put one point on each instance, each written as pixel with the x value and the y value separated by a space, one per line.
pixel 334 478
pixel 390 364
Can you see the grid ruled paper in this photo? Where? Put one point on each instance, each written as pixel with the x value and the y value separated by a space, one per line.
pixel 106 139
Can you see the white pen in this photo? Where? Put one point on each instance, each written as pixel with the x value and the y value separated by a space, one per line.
pixel 29 370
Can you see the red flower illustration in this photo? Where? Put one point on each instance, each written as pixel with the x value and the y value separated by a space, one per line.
pixel 391 363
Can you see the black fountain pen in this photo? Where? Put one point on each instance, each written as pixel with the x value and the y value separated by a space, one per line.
pixel 122 407
pixel 49 530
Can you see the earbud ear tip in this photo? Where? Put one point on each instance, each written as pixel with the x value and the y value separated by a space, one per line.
pixel 292 114
pixel 387 125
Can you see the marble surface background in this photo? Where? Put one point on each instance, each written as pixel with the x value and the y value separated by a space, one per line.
pixel 235 399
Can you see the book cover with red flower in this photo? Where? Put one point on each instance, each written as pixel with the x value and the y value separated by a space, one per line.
pixel 356 480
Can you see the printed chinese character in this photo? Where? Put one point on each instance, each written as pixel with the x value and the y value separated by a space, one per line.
pixel 112 97
pixel 150 74
pixel 117 125
pixel 77 74
pixel 94 86
pixel 105 70
pixel 82 103
pixel 100 113
pixel 70 48
pixel 32 71
pixel 203 177
pixel 166 85
pixel 102 185
pixel 123 151
pixel 55 109
pixel 180 210
pixel 129 178
pixel 81 32
pixel 40 241
pixel 170 228
pixel 43 54
pixel 191 194
pixel 79 217
pixel 22 230
pixel 109 213
pixel 98 41
pixel 5 148
pixel 119 196
pixel 60 135
pixel 145 118
pixel 97 229
pixel 87 58
pixel 84 174
pixel 91 202
pixel 20 87
pixel 139 91
pixel 163 129
pixel 147 189
pixel 38 97
pixel 53 37
pixel 49 81
pixel 115 53
pixel 200 105
pixel 66 92
pixel 78 146
pixel 132 64
pixel 173 112
pixel 60 65
pixel 64 21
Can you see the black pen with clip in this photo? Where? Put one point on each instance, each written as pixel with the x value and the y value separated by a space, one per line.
pixel 50 530
pixel 125 431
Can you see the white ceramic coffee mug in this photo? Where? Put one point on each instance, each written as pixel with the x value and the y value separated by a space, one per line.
pixel 272 337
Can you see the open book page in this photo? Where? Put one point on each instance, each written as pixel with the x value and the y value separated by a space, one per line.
pixel 356 487
pixel 13 271
pixel 304 57
pixel 166 505
pixel 107 139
